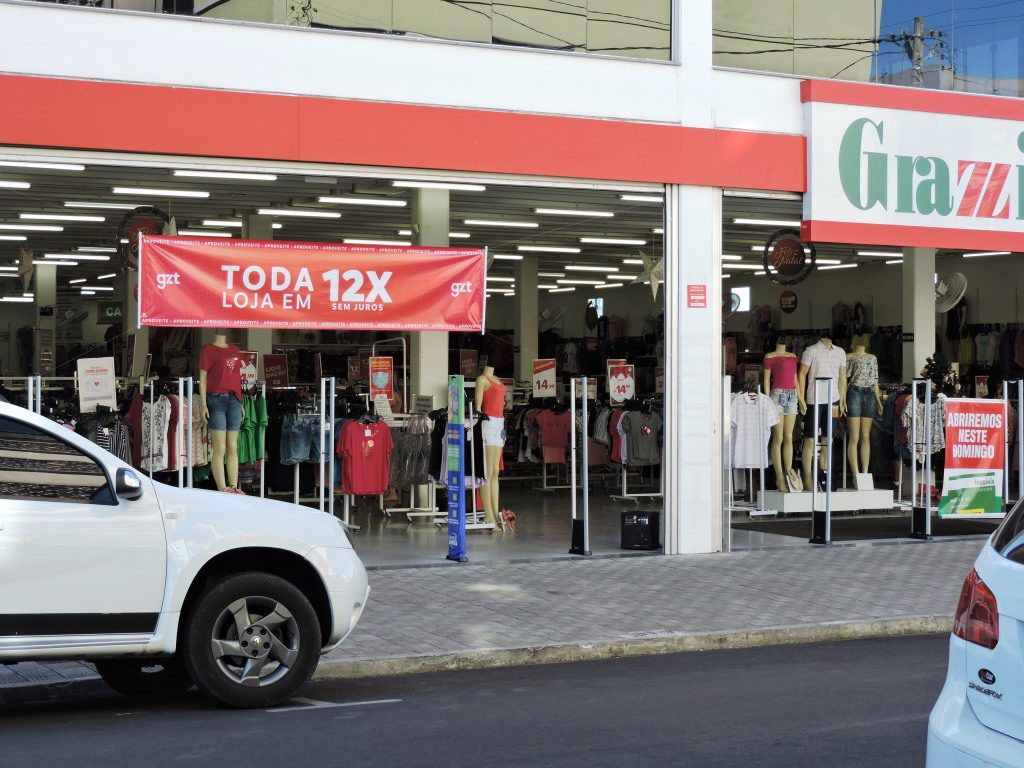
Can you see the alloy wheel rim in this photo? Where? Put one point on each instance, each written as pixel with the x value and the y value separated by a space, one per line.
pixel 255 641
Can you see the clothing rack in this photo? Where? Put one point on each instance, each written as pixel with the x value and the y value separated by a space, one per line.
pixel 412 510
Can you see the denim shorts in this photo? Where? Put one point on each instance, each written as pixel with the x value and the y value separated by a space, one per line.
pixel 861 403
pixel 300 439
pixel 225 411
pixel 786 401
pixel 824 414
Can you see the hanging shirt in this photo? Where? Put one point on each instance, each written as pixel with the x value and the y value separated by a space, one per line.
pixel 365 449
pixel 223 366
pixel 642 430
pixel 753 415
pixel 160 418
pixel 554 428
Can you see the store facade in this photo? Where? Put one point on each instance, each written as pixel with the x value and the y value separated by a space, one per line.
pixel 682 132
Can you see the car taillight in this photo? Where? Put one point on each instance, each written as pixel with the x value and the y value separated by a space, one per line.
pixel 977 614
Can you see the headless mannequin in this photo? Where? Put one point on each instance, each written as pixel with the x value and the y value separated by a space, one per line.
pixel 782 433
pixel 492 453
pixel 859 446
pixel 225 444
pixel 807 456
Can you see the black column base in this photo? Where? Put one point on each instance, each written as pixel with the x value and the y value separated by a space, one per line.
pixel 919 523
pixel 577 539
pixel 817 529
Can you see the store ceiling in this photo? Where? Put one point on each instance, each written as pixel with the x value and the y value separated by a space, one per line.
pixel 230 199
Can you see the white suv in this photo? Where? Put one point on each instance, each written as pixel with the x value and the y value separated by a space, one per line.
pixel 163 587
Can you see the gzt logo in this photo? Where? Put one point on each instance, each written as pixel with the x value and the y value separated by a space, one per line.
pixel 460 288
pixel 173 278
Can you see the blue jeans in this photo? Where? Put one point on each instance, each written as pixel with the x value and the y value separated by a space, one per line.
pixel 300 439
pixel 225 411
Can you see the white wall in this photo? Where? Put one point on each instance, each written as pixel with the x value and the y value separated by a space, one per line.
pixel 84 43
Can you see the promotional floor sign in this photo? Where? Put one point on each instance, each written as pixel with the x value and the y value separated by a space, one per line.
pixel 972 484
pixel 231 283
pixel 96 383
pixel 455 443
pixel 544 384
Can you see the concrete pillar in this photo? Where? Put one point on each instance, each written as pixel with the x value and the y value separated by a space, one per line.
pixel 526 305
pixel 428 355
pixel 918 309
pixel 261 340
pixel 693 370
pixel 46 319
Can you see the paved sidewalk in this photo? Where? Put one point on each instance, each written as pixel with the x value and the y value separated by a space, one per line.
pixel 490 614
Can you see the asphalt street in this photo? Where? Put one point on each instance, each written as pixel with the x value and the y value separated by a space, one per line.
pixel 859 703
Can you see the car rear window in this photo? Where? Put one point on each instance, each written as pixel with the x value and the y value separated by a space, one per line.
pixel 1009 537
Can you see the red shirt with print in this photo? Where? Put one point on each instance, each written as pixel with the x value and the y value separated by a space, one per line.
pixel 366 453
pixel 223 366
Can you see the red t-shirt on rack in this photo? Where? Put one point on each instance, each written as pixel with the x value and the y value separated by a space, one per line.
pixel 554 428
pixel 365 450
pixel 223 366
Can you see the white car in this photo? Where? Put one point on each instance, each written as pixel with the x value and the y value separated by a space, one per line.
pixel 979 717
pixel 163 587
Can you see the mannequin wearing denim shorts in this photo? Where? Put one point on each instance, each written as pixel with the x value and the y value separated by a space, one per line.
pixel 224 463
pixel 863 403
pixel 785 397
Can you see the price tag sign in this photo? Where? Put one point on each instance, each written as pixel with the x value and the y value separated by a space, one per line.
pixel 544 378
pixel 250 362
pixel 621 383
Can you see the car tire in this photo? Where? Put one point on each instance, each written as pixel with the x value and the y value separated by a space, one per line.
pixel 252 641
pixel 145 677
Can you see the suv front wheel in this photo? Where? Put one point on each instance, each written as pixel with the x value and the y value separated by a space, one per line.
pixel 252 641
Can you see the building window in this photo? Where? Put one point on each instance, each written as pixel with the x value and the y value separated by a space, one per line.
pixel 598 304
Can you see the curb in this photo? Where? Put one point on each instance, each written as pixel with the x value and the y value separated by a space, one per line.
pixel 641 646
pixel 689 642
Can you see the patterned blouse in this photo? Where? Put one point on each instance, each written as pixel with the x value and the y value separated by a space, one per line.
pixel 862 371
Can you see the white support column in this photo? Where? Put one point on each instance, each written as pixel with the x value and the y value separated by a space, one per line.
pixel 693 370
pixel 45 320
pixel 526 306
pixel 918 309
pixel 428 354
pixel 261 340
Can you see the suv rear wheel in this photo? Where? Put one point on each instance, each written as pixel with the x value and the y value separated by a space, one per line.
pixel 145 677
pixel 252 641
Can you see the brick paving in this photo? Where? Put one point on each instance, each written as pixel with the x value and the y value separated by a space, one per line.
pixel 443 610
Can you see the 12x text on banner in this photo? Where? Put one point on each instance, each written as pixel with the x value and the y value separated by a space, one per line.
pixel 186 281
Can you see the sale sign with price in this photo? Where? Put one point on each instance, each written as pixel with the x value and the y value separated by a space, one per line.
pixel 231 283
pixel 544 378
pixel 621 383
pixel 972 481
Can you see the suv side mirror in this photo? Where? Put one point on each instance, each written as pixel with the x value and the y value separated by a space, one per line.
pixel 127 485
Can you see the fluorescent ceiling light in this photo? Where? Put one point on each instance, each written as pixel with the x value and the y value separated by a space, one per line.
pixel 588 268
pixel 29 295
pixel 550 274
pixel 202 233
pixel 762 272
pixel 760 249
pixel 574 281
pixel 107 276
pixel 890 254
pixel 731 257
pixel 21 299
pixel 508 257
pixel 767 222
pixel 986 253
pixel 726 277
pixel 608 285
pixel 497 223
pixel 149 191
pixel 102 206
pixel 440 185
pixel 626 277
pixel 547 285
pixel 658 230
pixel 299 213
pixel 361 241
pixel 741 266
pixel 8 269
pixel 18 238
pixel 840 266
pixel 573 212
pixel 457 235
pixel 78 280
pixel 642 198
pixel 58 217
pixel 96 249
pixel 88 293
pixel 226 175
pixel 385 202
pixel 561 290
pixel 612 241
pixel 636 262
pixel 222 223
pixel 491 279
pixel 14 184
pixel 124 241
pixel 77 256
pixel 895 261
pixel 55 262
pixel 98 287
pixel 44 166
pixel 546 249
pixel 31 228
pixel 828 261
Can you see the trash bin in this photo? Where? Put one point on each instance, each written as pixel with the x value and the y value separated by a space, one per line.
pixel 641 530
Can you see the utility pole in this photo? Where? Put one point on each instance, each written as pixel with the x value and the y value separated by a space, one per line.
pixel 917 51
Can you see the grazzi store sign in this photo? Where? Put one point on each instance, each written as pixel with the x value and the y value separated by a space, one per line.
pixel 884 171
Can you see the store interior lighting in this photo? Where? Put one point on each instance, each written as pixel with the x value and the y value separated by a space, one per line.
pixel 839 266
pixel 95 249
pixel 508 257
pixel 30 228
pixel 609 285
pixel 588 268
pixel 77 256
pixel 986 253
pixel 367 241
pixel 5 184
pixel 546 249
pixel 55 262
pixel 766 222
pixel 202 233
pixel 167 192
pixel 299 213
pixel 14 238
pixel 107 276
pixel 59 217
pixel 453 186
pixel 230 175
pixel 629 198
pixel 634 262
pixel 99 205
pixel 383 202
pixel 497 223
pixel 612 241
pixel 43 166
pixel 574 212
pixel 575 281
pixel 561 290
pixel 889 254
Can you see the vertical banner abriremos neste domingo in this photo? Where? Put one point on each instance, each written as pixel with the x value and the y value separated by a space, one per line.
pixel 229 283
pixel 972 482
pixel 455 464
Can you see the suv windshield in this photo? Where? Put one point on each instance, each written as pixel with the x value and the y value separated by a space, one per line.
pixel 1009 537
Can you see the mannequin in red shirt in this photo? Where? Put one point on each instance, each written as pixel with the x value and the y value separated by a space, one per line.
pixel 220 378
pixel 489 398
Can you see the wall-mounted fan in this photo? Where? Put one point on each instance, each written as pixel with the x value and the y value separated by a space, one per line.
pixel 550 317
pixel 730 304
pixel 949 291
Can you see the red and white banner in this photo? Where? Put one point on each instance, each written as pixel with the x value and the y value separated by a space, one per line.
pixel 188 281
pixel 972 484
